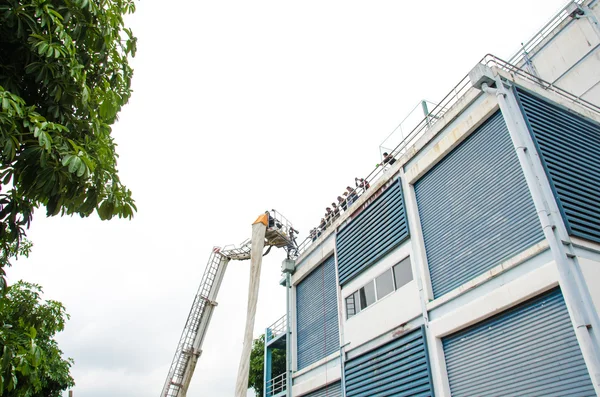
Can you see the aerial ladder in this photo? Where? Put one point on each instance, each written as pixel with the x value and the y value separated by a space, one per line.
pixel 271 229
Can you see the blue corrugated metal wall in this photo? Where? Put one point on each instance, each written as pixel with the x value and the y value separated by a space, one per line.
pixel 317 315
pixel 332 390
pixel 568 145
pixel 398 368
pixel 529 350
pixel 475 208
pixel 376 231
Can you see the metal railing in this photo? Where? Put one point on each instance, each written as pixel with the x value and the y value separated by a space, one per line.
pixel 520 58
pixel 417 132
pixel 455 95
pixel 279 327
pixel 276 385
pixel 420 110
pixel 491 61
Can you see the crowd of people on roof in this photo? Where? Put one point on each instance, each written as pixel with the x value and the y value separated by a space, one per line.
pixel 346 199
pixel 343 203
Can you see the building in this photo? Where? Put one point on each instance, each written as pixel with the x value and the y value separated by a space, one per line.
pixel 470 266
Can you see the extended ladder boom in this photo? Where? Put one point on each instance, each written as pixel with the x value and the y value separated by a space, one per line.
pixel 190 343
pixel 279 233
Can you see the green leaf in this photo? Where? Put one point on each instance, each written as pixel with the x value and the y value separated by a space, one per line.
pixel 67 159
pixel 74 164
pixel 42 48
pixel 82 169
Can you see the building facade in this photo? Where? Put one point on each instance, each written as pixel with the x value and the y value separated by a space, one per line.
pixel 471 265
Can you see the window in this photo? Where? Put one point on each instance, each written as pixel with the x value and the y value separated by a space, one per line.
pixel 384 284
pixel 352 307
pixel 402 272
pixel 367 295
pixel 381 286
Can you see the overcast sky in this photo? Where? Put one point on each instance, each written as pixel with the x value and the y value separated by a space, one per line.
pixel 239 107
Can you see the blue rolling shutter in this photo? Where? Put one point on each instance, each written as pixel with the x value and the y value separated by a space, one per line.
pixel 381 227
pixel 332 390
pixel 568 145
pixel 529 350
pixel 317 315
pixel 398 368
pixel 475 208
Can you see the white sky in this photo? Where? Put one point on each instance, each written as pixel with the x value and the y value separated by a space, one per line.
pixel 239 107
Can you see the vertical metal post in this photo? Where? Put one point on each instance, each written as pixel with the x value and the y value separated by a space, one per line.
pixel 342 367
pixel 266 364
pixel 288 337
pixel 425 111
pixel 528 62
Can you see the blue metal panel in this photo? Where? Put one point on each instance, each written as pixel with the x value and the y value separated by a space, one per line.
pixel 332 390
pixel 529 350
pixel 568 145
pixel 374 233
pixel 475 207
pixel 317 315
pixel 398 368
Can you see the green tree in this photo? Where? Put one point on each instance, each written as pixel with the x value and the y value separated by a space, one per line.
pixel 257 361
pixel 64 76
pixel 31 364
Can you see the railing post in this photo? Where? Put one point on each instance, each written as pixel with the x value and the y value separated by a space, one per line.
pixel 266 366
pixel 288 345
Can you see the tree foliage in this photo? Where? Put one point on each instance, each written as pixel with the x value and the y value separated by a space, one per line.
pixel 257 361
pixel 31 364
pixel 64 76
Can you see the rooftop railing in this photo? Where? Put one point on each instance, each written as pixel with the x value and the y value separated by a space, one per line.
pixel 279 327
pixel 436 113
pixel 520 58
pixel 276 385
pixel 491 61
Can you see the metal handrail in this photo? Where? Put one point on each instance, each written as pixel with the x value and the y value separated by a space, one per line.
pixel 521 55
pixel 427 122
pixel 491 60
pixel 276 385
pixel 279 327
pixel 436 114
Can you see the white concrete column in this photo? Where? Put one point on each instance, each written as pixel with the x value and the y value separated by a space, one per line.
pixel 421 273
pixel 258 243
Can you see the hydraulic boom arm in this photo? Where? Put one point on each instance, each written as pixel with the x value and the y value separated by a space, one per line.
pixel 279 233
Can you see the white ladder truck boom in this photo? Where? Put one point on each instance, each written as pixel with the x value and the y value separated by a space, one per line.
pixel 279 233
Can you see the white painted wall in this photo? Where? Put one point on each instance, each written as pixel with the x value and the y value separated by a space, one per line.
pixel 571 59
pixel 387 313
pixel 397 308
pixel 317 375
pixel 591 274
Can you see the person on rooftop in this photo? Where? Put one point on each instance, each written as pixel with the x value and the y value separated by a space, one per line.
pixel 336 211
pixel 362 183
pixel 352 196
pixel 388 158
pixel 342 202
pixel 328 217
pixel 321 227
